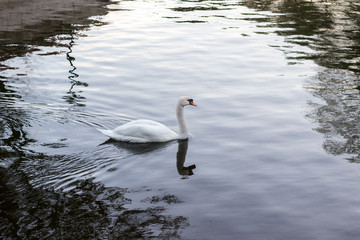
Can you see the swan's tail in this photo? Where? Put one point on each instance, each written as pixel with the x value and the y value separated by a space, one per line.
pixel 111 134
pixel 106 132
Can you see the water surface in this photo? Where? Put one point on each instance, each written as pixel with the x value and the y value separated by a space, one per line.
pixel 273 137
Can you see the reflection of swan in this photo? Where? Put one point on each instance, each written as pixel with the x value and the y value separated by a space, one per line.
pixel 141 148
pixel 143 131
pixel 180 159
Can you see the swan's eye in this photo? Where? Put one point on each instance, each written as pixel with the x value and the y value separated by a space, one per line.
pixel 191 102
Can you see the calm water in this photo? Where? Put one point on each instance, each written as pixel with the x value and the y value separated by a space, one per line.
pixel 275 135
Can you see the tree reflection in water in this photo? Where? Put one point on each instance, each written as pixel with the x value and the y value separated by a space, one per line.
pixel 332 30
pixel 339 115
pixel 88 211
pixel 73 97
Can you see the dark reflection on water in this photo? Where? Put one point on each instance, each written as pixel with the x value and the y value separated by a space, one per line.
pixel 330 28
pixel 180 160
pixel 338 114
pixel 88 211
pixel 73 97
pixel 27 25
pixel 145 148
pixel 139 148
pixel 13 137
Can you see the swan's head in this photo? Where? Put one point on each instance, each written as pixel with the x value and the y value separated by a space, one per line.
pixel 183 101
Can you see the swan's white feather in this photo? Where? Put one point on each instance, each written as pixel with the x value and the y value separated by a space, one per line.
pixel 141 131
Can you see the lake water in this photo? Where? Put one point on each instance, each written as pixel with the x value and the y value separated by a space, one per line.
pixel 275 136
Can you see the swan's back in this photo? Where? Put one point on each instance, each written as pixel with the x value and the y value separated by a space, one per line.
pixel 141 131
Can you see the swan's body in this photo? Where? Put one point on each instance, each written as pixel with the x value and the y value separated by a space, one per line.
pixel 141 131
pixel 144 131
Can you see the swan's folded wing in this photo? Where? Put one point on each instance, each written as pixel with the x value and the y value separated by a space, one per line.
pixel 141 131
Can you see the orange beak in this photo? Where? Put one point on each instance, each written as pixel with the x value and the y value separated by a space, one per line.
pixel 192 103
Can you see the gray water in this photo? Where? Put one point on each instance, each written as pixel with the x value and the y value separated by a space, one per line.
pixel 275 136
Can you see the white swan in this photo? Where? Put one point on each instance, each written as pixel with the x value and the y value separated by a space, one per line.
pixel 144 131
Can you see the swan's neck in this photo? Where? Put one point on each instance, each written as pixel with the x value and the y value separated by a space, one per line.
pixel 183 130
